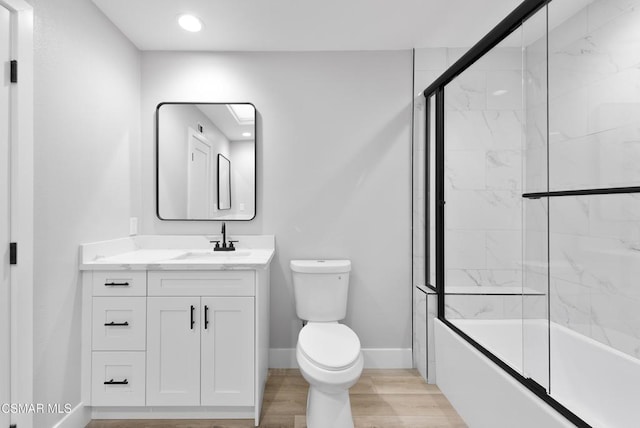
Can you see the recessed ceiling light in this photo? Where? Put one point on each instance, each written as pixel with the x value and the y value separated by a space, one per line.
pixel 246 134
pixel 190 23
pixel 244 114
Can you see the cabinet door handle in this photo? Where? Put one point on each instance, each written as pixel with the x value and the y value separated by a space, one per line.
pixel 116 284
pixel 116 324
pixel 206 316
pixel 117 382
pixel 193 321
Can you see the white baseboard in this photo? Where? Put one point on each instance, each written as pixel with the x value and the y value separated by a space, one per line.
pixel 171 412
pixel 388 358
pixel 374 358
pixel 78 417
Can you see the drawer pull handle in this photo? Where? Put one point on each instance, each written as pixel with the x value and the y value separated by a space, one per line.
pixel 206 316
pixel 116 284
pixel 193 321
pixel 117 382
pixel 116 324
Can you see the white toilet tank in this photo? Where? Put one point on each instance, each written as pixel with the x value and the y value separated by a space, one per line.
pixel 321 288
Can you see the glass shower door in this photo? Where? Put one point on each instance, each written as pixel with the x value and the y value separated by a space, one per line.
pixel 484 131
pixel 594 232
pixel 535 211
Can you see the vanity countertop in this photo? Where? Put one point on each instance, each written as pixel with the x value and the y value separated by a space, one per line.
pixel 177 253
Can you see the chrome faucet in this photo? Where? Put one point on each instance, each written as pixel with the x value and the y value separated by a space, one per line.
pixel 224 246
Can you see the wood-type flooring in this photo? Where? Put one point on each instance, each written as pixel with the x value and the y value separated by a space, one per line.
pixel 387 398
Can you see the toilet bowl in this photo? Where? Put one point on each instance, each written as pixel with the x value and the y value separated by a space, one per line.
pixel 330 360
pixel 328 353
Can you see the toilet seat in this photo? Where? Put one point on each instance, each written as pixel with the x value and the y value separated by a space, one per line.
pixel 330 346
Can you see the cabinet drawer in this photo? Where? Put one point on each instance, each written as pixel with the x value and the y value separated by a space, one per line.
pixel 118 379
pixel 119 323
pixel 202 283
pixel 119 283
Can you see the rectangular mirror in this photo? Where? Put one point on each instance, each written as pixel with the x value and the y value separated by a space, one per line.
pixel 205 160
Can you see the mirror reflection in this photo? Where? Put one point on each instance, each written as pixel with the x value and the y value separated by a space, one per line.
pixel 206 161
pixel 224 183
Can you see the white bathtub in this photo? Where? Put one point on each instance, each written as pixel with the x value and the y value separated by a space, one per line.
pixel 599 384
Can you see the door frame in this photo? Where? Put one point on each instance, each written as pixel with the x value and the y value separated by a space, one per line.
pixel 191 135
pixel 21 200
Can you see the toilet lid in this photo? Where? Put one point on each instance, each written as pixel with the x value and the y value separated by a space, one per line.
pixel 331 346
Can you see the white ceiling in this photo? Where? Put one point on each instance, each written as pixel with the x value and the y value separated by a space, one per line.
pixel 222 118
pixel 306 25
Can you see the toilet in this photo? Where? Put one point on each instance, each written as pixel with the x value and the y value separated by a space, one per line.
pixel 328 353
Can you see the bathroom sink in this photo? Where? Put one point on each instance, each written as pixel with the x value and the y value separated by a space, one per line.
pixel 212 255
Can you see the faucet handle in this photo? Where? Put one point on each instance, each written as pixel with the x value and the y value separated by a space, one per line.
pixel 231 247
pixel 217 244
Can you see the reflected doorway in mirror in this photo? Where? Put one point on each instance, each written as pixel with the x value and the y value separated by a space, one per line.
pixel 224 183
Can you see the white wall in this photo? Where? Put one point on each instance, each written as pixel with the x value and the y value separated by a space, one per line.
pixel 87 119
pixel 334 158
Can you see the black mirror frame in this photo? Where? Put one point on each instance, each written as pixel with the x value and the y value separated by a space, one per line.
pixel 157 160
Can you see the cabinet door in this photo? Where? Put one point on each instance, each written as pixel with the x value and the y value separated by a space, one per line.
pixel 227 358
pixel 173 351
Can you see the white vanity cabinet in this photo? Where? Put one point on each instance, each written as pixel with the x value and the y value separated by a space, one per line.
pixel 118 331
pixel 175 343
pixel 200 351
pixel 200 338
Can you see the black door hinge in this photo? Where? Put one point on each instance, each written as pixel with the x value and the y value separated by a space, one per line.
pixel 14 71
pixel 13 253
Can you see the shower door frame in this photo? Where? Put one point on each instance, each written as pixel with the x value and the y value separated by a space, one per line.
pixel 437 89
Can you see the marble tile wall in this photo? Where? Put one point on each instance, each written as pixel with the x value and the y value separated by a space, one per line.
pixel 595 266
pixel 420 331
pixel 484 185
pixel 432 314
pixel 594 142
pixel 429 64
pixel 489 307
pixel 535 177
pixel 594 97
pixel 484 124
pixel 419 214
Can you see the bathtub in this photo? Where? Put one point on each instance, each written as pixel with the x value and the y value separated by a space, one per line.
pixel 599 384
